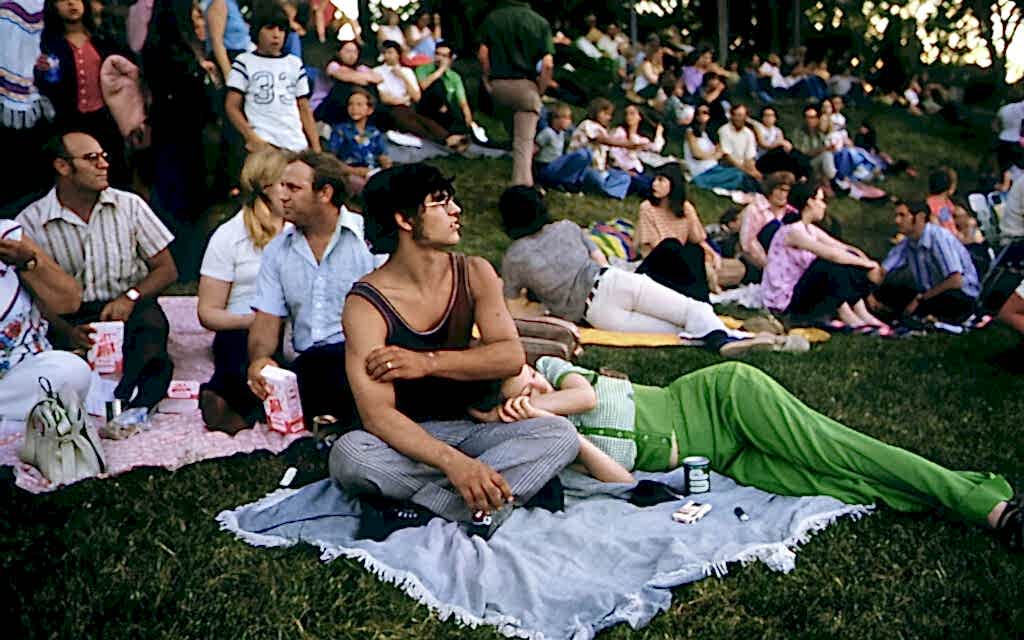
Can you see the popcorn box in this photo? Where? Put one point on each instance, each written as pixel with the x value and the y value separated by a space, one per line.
pixel 282 406
pixel 182 397
pixel 106 356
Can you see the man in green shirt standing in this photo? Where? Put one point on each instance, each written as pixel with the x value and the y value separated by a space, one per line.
pixel 443 96
pixel 517 59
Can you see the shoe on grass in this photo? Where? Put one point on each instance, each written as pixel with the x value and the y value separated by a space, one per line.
pixel 1010 527
pixel 782 344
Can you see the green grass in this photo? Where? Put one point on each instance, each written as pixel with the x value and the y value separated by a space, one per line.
pixel 140 556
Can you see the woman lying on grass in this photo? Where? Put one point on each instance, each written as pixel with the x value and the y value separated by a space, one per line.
pixel 752 430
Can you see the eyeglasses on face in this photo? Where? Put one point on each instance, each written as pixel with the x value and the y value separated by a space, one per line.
pixel 445 203
pixel 94 157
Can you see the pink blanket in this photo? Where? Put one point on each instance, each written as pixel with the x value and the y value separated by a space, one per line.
pixel 172 440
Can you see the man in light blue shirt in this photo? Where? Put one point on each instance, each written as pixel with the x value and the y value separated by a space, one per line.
pixel 305 274
pixel 930 272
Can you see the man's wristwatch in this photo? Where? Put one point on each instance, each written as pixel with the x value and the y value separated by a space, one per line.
pixel 28 265
pixel 133 294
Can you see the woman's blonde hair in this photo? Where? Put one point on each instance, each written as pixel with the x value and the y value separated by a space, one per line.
pixel 261 169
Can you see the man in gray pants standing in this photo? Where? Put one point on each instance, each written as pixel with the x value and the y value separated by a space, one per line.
pixel 517 60
pixel 413 374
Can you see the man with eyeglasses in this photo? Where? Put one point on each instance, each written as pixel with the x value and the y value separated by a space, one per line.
pixel 117 249
pixel 305 274
pixel 413 374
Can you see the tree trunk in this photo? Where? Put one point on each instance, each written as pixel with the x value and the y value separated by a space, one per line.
pixel 773 9
pixel 365 25
pixel 796 23
pixel 723 31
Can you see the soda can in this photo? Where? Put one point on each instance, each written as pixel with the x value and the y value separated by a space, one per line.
pixel 113 409
pixel 696 475
pixel 53 73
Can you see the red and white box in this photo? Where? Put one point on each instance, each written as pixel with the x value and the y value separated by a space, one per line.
pixel 282 406
pixel 106 355
pixel 182 397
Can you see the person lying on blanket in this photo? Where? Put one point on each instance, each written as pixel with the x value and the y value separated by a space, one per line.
pixel 752 430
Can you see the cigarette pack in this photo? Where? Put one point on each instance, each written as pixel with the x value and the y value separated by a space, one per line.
pixel 106 355
pixel 282 406
pixel 182 397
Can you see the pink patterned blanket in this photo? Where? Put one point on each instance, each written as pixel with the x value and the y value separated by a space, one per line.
pixel 171 440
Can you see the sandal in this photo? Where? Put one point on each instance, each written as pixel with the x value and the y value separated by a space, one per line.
pixel 1010 527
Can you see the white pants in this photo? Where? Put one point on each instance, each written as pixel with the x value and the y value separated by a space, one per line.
pixel 20 389
pixel 625 301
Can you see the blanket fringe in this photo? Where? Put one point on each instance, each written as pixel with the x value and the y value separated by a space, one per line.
pixel 778 556
pixel 228 520
pixel 406 581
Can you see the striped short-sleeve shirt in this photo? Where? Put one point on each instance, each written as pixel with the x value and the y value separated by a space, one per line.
pixel 611 425
pixel 107 254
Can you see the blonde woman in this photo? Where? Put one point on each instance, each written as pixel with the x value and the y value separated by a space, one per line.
pixel 227 287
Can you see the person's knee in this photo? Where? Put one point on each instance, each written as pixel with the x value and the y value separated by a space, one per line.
pixel 561 440
pixel 66 372
pixel 351 460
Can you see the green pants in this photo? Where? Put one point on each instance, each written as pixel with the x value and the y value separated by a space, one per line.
pixel 759 434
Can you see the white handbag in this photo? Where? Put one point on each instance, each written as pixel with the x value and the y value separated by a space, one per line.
pixel 59 441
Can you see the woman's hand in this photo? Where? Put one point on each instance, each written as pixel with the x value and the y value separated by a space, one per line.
pixel 520 408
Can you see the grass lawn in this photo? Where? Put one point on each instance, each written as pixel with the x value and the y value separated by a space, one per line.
pixel 141 555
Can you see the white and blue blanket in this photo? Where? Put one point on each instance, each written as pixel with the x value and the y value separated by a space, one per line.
pixel 542 575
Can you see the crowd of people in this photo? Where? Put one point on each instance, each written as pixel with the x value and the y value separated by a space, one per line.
pixel 381 310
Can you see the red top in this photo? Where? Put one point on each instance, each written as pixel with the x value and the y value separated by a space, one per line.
pixel 87 74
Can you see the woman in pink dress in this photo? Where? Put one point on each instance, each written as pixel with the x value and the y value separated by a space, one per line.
pixel 811 276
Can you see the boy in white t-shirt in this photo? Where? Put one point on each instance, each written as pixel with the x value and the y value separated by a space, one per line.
pixel 268 91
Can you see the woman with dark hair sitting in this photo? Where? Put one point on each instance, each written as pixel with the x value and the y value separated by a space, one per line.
pixel 674 244
pixel 702 156
pixel 348 74
pixel 811 276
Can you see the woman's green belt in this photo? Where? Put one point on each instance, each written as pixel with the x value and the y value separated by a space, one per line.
pixel 657 417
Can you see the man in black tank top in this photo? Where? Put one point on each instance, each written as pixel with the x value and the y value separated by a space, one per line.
pixel 412 371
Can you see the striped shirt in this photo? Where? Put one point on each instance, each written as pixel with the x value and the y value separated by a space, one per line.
pixel 611 425
pixel 932 258
pixel 106 255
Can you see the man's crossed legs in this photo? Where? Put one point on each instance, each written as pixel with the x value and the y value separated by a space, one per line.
pixel 527 454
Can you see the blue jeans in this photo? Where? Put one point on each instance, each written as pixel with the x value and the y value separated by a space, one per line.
pixel 565 171
pixel 722 177
pixel 612 183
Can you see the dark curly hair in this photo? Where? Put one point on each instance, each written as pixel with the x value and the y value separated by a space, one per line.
pixel 403 190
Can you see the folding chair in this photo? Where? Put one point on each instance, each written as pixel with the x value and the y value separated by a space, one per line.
pixel 988 221
pixel 1002 278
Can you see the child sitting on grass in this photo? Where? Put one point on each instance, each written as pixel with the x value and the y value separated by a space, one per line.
pixel 752 430
pixel 268 91
pixel 592 135
pixel 551 165
pixel 357 143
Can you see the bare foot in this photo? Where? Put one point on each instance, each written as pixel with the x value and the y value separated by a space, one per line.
pixel 994 515
pixel 218 416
